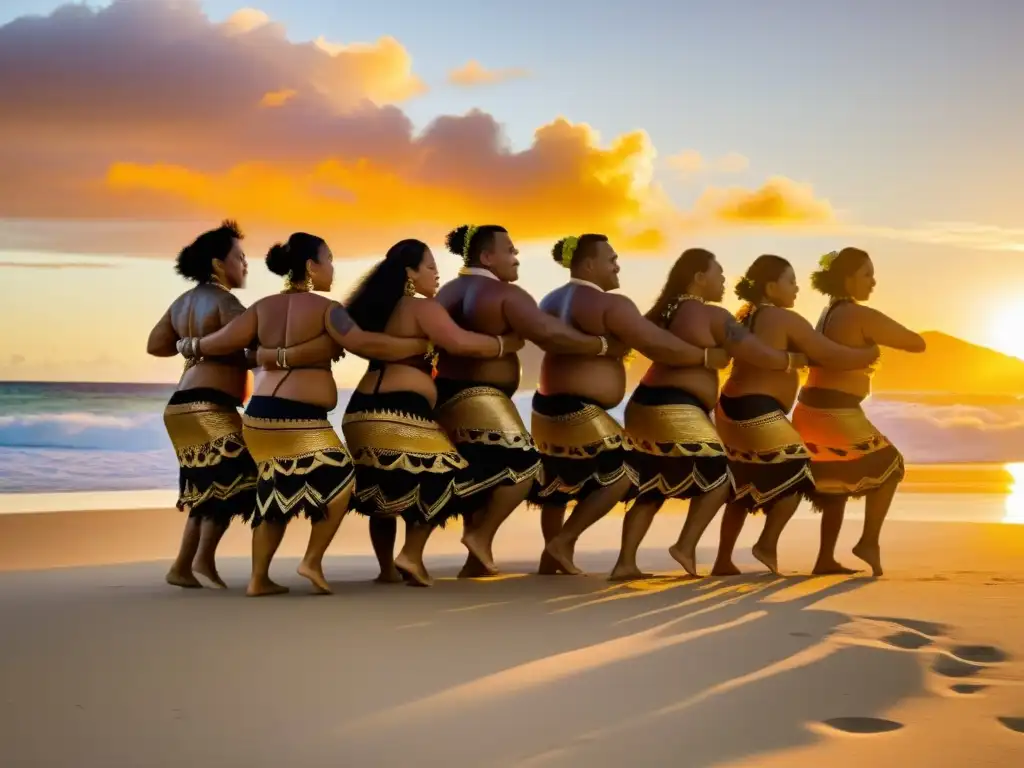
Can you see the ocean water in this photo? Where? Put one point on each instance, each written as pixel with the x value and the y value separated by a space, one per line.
pixel 88 439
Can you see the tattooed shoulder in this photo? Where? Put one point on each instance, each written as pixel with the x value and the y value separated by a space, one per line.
pixel 341 320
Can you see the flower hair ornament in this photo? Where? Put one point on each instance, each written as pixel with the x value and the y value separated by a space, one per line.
pixel 470 231
pixel 825 262
pixel 569 250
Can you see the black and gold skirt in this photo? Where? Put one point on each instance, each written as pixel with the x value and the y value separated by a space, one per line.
pixel 767 459
pixel 216 475
pixel 405 463
pixel 676 450
pixel 488 431
pixel 849 456
pixel 302 463
pixel 582 450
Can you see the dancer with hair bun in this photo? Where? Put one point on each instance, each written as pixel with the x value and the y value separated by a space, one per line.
pixel 474 395
pixel 216 475
pixel 303 468
pixel 585 451
pixel 407 466
pixel 769 463
pixel 677 453
pixel 850 458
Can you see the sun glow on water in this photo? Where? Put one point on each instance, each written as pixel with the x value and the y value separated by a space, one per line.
pixel 1015 499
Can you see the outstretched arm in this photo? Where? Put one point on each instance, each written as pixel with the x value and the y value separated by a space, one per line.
pixel 233 337
pixel 746 347
pixel 439 327
pixel 626 323
pixel 367 344
pixel 886 332
pixel 163 339
pixel 825 352
pixel 547 332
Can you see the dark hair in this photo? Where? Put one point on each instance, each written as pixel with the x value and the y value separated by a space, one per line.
pixel 692 262
pixel 765 269
pixel 378 292
pixel 584 248
pixel 195 261
pixel 482 240
pixel 831 280
pixel 289 259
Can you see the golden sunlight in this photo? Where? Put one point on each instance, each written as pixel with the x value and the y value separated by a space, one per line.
pixel 1015 499
pixel 1006 329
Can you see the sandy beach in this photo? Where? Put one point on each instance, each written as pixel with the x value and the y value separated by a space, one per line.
pixel 104 665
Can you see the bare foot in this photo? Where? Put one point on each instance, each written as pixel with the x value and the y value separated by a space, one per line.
pixel 209 570
pixel 390 576
pixel 263 587
pixel 687 558
pixel 725 569
pixel 473 569
pixel 315 574
pixel 830 567
pixel 561 553
pixel 766 556
pixel 627 573
pixel 416 572
pixel 548 565
pixel 870 555
pixel 480 548
pixel 184 580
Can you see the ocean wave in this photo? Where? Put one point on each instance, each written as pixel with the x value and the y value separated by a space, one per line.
pixel 82 430
pixel 82 450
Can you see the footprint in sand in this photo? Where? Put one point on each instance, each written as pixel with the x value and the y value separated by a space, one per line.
pixel 1015 724
pixel 980 654
pixel 908 641
pixel 863 725
pixel 967 688
pixel 924 627
pixel 947 666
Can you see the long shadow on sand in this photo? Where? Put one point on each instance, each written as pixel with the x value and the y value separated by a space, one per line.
pixel 513 670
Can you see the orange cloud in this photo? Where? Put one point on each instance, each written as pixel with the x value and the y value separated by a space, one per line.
pixel 119 143
pixel 367 202
pixel 277 98
pixel 780 201
pixel 474 73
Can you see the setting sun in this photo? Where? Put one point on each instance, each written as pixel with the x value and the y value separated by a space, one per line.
pixel 1007 323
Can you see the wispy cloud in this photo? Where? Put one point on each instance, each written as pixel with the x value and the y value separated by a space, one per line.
pixel 56 265
pixel 474 73
pixel 962 234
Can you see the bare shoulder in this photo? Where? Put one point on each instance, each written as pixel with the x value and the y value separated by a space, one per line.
pixel 719 317
pixel 787 318
pixel 229 301
pixel 450 291
pixel 615 300
pixel 551 302
pixel 183 298
pixel 515 293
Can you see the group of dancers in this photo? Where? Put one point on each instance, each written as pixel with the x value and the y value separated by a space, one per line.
pixel 431 432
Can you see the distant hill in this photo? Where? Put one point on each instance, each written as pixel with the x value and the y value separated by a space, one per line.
pixel 949 365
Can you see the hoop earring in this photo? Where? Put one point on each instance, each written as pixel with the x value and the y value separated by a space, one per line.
pixel 410 287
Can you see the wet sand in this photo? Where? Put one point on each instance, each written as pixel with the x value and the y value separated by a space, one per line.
pixel 104 665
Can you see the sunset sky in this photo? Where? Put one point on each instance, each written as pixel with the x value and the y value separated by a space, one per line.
pixel 746 127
